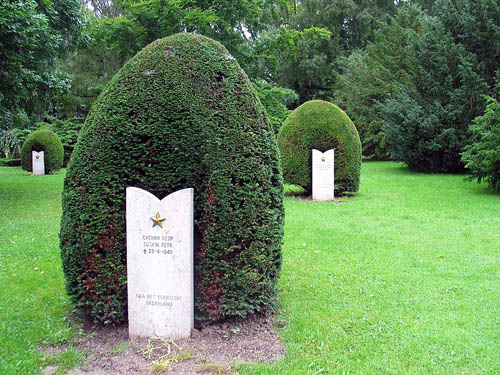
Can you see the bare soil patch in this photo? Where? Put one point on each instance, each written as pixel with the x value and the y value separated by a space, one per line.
pixel 214 349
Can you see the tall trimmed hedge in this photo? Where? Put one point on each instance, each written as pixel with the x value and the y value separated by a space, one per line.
pixel 48 142
pixel 181 113
pixel 320 125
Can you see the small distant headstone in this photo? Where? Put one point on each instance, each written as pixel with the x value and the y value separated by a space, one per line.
pixel 38 163
pixel 160 264
pixel 323 175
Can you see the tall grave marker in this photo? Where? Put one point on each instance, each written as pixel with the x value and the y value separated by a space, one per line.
pixel 160 264
pixel 323 175
pixel 38 163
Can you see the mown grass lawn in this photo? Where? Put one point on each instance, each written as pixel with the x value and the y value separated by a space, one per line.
pixel 402 279
pixel 33 304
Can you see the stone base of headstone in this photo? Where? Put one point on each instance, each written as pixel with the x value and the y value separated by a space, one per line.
pixel 160 264
pixel 323 177
pixel 38 163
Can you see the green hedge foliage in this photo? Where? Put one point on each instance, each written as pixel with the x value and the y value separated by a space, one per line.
pixel 427 123
pixel 9 143
pixel 181 113
pixel 275 100
pixel 482 157
pixel 67 130
pixel 47 141
pixel 323 126
pixel 10 162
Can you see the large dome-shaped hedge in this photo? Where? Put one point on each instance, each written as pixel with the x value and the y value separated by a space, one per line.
pixel 323 126
pixel 181 113
pixel 48 142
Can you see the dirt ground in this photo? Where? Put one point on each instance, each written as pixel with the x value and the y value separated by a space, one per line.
pixel 211 350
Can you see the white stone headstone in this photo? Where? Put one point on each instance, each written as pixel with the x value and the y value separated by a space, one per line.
pixel 38 163
pixel 160 264
pixel 323 178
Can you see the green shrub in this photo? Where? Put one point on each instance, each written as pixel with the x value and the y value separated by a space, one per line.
pixel 427 125
pixel 323 126
pixel 181 113
pixel 482 157
pixel 10 162
pixel 67 130
pixel 21 135
pixel 377 72
pixel 275 99
pixel 47 141
pixel 8 142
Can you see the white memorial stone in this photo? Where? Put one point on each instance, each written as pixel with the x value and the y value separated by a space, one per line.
pixel 323 178
pixel 160 264
pixel 38 163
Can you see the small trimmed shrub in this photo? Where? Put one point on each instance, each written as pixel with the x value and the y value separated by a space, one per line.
pixel 10 162
pixel 181 113
pixel 482 157
pixel 323 126
pixel 47 141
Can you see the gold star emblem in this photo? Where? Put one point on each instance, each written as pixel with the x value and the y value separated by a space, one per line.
pixel 157 220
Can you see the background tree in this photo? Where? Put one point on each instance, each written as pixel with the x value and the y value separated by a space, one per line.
pixel 296 59
pixel 33 34
pixel 275 99
pixel 428 129
pixel 474 24
pixel 482 156
pixel 8 142
pixel 105 8
pixel 372 75
pixel 112 41
pixel 370 57
pixel 233 23
pixel 120 28
pixel 437 65
pixel 303 49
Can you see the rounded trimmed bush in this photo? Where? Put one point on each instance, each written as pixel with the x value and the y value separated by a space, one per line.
pixel 181 113
pixel 48 142
pixel 320 125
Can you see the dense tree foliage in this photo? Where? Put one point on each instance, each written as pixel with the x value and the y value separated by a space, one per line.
pixel 482 156
pixel 119 29
pixel 112 41
pixel 67 130
pixel 474 24
pixel 302 50
pixel 296 59
pixel 380 71
pixel 275 100
pixel 421 80
pixel 370 57
pixel 9 142
pixel 427 129
pixel 32 34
